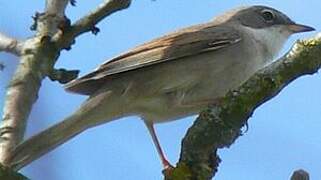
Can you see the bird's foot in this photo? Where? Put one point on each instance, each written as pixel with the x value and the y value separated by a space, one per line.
pixel 168 168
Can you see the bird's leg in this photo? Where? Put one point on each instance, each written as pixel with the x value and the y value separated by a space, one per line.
pixel 150 127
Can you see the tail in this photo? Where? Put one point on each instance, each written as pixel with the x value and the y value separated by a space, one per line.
pixel 89 115
pixel 45 141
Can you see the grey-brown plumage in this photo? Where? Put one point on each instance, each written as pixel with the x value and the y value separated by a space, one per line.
pixel 179 74
pixel 188 42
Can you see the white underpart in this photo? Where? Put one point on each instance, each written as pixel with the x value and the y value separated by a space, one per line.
pixel 272 40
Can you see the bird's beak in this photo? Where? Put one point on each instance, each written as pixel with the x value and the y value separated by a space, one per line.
pixel 298 28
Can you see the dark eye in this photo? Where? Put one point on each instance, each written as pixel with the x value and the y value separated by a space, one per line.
pixel 268 15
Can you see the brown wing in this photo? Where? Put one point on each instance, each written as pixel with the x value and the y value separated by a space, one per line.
pixel 187 42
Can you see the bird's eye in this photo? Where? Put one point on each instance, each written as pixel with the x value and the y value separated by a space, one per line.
pixel 268 15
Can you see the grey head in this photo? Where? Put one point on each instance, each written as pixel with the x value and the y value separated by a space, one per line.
pixel 259 17
pixel 267 28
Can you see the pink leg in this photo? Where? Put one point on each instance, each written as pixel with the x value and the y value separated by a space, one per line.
pixel 151 130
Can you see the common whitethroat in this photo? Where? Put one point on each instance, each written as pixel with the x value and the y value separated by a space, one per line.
pixel 176 75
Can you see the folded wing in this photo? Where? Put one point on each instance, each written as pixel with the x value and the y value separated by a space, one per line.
pixel 187 42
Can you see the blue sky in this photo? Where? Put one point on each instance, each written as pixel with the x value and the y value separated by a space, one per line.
pixel 284 134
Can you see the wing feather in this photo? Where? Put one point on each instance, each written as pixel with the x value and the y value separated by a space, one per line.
pixel 187 42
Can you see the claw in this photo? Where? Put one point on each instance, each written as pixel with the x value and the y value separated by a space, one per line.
pixel 168 170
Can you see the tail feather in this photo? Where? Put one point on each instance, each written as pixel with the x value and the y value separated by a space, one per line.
pixel 89 114
pixel 46 141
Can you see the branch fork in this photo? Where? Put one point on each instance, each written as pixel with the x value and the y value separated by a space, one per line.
pixel 38 56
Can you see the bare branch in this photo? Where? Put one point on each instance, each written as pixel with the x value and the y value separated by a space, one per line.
pixel 220 125
pixel 35 63
pixel 105 9
pixel 88 22
pixel 37 60
pixel 10 45
pixel 21 94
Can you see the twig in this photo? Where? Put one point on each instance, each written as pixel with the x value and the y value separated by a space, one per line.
pixel 220 125
pixel 105 9
pixel 10 45
pixel 88 22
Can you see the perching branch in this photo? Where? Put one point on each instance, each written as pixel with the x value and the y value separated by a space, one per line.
pixel 9 174
pixel 220 125
pixel 10 45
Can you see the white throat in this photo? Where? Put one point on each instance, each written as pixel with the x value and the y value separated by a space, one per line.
pixel 269 41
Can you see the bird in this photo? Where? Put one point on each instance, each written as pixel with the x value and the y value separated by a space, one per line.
pixel 176 75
